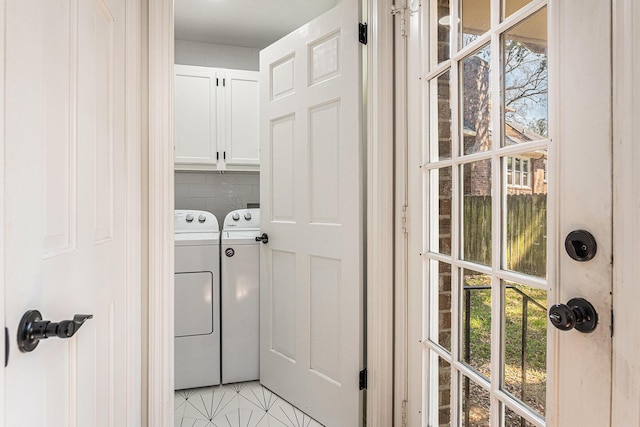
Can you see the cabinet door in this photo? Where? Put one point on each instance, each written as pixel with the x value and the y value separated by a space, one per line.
pixel 241 119
pixel 196 118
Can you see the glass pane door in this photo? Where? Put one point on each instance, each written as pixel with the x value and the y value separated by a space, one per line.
pixel 485 327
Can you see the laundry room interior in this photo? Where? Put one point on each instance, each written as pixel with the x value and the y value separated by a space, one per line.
pixel 217 200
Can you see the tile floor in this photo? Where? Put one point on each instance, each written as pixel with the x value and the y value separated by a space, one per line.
pixel 237 405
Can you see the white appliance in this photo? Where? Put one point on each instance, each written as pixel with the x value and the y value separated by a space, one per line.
pixel 197 299
pixel 240 287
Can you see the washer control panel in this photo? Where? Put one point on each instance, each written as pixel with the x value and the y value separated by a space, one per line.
pixel 242 219
pixel 193 221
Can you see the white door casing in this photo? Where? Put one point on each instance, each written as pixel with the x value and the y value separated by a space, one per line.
pixel 67 202
pixel 579 197
pixel 311 201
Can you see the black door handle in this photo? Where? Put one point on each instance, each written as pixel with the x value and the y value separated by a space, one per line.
pixel 578 313
pixel 32 329
pixel 264 238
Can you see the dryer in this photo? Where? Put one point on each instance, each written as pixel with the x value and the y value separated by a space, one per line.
pixel 240 287
pixel 197 299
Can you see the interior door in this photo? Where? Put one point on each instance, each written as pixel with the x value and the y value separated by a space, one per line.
pixel 312 208
pixel 65 209
pixel 516 155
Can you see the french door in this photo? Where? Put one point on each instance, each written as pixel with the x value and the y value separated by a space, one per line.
pixel 514 155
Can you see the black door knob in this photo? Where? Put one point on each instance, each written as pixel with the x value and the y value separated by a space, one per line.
pixel 32 329
pixel 578 313
pixel 264 238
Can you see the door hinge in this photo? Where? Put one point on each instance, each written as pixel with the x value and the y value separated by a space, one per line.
pixel 6 346
pixel 612 323
pixel 363 379
pixel 404 218
pixel 362 33
pixel 404 413
pixel 400 10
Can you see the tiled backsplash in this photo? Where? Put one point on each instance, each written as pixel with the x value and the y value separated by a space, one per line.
pixel 216 192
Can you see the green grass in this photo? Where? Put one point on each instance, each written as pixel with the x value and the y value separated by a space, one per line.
pixel 480 338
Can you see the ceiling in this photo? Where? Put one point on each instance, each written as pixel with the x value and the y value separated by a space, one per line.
pixel 248 23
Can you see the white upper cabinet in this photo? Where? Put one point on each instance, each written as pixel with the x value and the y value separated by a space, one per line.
pixel 242 144
pixel 216 119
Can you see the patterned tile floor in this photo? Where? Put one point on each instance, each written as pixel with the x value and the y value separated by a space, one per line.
pixel 237 405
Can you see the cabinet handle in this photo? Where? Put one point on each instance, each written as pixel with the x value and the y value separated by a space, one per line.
pixel 224 155
pixel 217 155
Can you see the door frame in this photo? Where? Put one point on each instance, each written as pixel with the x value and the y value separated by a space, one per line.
pixel 626 215
pixel 380 169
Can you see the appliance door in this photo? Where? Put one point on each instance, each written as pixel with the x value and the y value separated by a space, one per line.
pixel 240 264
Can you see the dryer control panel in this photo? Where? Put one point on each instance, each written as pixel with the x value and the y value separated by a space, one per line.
pixel 242 219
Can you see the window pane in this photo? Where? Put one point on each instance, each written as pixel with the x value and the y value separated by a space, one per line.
pixel 475 321
pixel 525 344
pixel 476 403
pixel 476 205
pixel 441 303
pixel 476 19
pixel 442 49
pixel 525 220
pixel 525 81
pixel 511 419
pixel 511 6
pixel 441 210
pixel 476 102
pixel 440 145
pixel 440 411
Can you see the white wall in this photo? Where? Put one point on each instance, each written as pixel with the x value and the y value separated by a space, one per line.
pixel 216 55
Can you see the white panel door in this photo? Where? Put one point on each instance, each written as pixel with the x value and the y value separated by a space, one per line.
pixel 242 127
pixel 65 209
pixel 516 156
pixel 312 208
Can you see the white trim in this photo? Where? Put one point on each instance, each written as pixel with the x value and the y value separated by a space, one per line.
pixel 380 225
pixel 3 288
pixel 133 178
pixel 626 214
pixel 403 24
pixel 161 205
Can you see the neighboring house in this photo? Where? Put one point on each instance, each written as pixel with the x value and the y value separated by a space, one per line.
pixel 525 174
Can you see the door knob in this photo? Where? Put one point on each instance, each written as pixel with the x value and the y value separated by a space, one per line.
pixel 32 329
pixel 264 238
pixel 578 313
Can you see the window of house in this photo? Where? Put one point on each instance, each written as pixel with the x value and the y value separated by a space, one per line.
pixel 519 171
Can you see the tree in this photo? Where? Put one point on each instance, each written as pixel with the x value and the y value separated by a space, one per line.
pixel 526 85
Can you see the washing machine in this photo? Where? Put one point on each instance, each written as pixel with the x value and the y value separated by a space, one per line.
pixel 240 288
pixel 197 299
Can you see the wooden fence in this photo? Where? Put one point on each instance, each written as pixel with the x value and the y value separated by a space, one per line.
pixel 526 232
